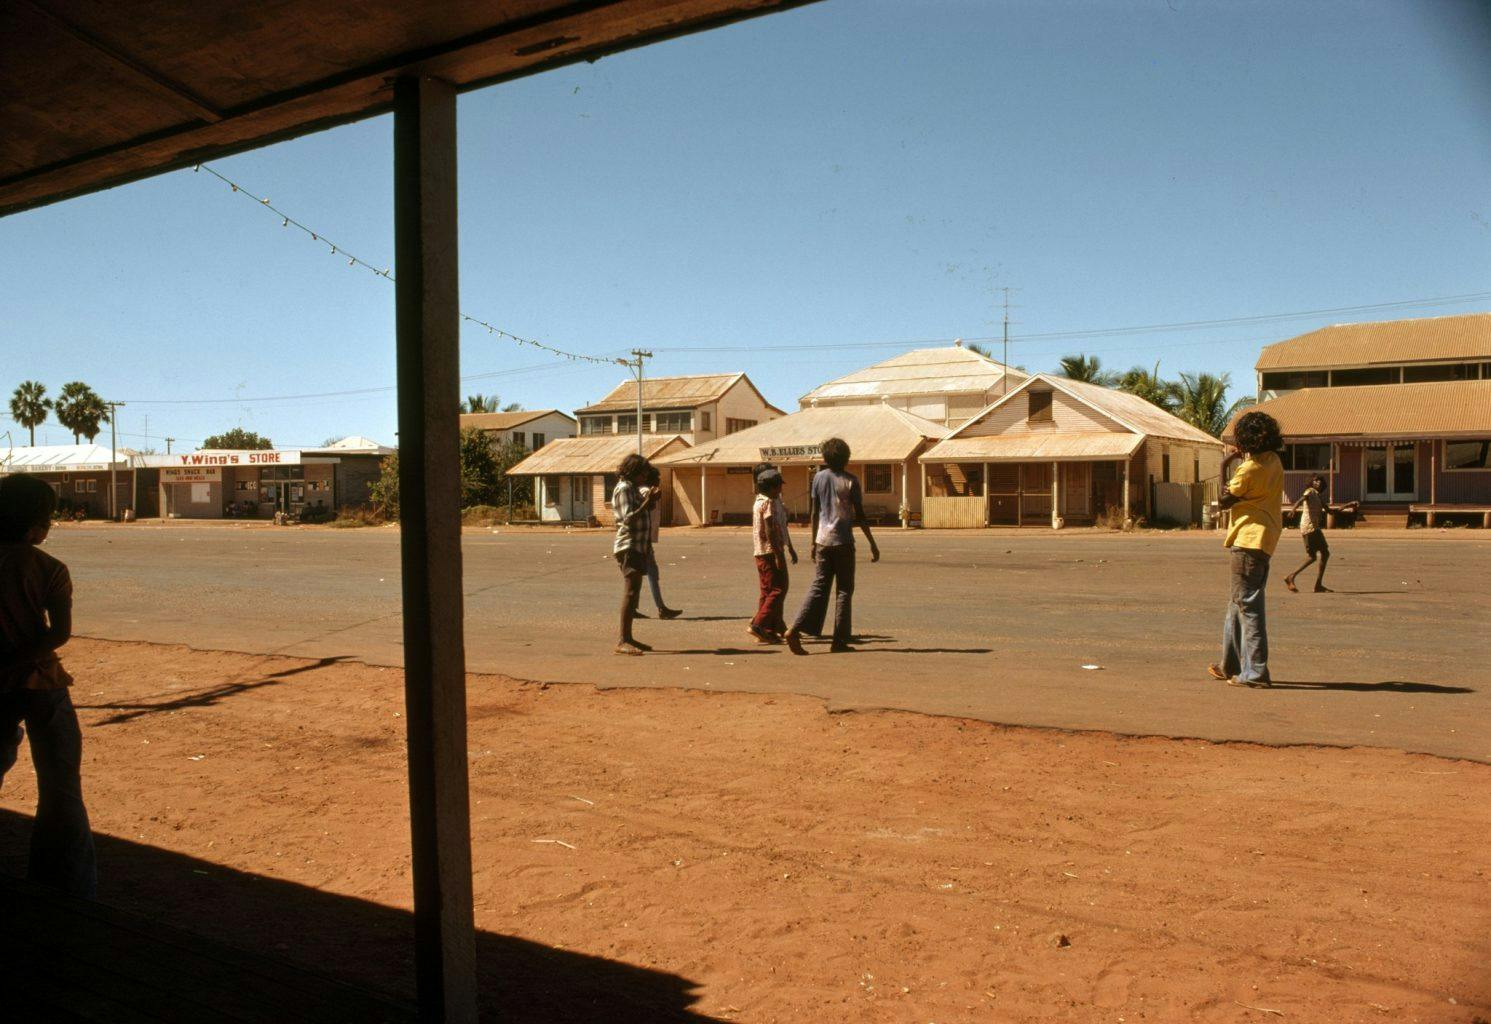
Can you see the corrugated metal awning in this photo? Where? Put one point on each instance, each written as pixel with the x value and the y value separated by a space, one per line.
pixel 1068 447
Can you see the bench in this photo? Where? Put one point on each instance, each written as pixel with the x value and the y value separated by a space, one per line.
pixel 1429 512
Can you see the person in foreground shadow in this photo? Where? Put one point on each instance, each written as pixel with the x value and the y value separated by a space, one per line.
pixel 1255 495
pixel 837 508
pixel 35 620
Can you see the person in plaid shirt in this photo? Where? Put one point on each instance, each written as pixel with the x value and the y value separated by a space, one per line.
pixel 633 512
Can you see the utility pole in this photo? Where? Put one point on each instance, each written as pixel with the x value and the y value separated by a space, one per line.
pixel 635 365
pixel 114 408
pixel 1004 380
pixel 168 444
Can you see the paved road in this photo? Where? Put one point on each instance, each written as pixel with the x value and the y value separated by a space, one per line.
pixel 990 624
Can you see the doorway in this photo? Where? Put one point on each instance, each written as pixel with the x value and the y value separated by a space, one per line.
pixel 1388 472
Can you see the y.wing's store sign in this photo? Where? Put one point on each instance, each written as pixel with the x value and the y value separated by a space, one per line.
pixel 205 475
pixel 203 460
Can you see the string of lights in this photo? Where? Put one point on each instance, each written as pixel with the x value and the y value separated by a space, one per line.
pixel 288 221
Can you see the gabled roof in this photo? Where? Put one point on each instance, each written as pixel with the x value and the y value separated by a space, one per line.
pixel 1136 417
pixel 687 392
pixel 875 433
pixel 507 420
pixel 1435 338
pixel 925 371
pixel 1438 409
pixel 354 445
pixel 593 453
pixel 62 458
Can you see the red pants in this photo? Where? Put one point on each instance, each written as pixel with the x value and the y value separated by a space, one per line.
pixel 773 595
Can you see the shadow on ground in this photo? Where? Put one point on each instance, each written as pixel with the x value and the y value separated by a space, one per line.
pixel 348 940
pixel 1390 686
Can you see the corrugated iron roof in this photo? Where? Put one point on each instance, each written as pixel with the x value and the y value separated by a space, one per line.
pixel 923 371
pixel 1134 412
pixel 1067 447
pixel 507 420
pixel 354 445
pixel 1467 337
pixel 1437 409
pixel 875 433
pixel 591 454
pixel 62 458
pixel 667 393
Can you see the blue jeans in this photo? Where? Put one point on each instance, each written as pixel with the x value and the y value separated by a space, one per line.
pixel 834 568
pixel 1245 633
pixel 61 840
pixel 652 580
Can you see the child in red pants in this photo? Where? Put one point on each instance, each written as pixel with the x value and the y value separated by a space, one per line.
pixel 773 545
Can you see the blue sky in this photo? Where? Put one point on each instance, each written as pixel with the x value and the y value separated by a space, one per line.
pixel 846 174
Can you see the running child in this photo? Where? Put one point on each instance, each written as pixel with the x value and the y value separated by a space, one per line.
pixel 1312 509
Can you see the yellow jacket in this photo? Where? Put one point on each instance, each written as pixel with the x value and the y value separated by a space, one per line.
pixel 1258 516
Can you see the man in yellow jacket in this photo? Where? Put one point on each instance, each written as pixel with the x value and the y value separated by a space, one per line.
pixel 1255 495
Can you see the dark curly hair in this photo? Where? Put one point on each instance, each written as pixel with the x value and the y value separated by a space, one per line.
pixel 836 453
pixel 25 503
pixel 1258 432
pixel 633 467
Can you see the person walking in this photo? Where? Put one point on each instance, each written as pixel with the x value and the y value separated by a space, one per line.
pixel 772 546
pixel 1255 496
pixel 837 508
pixel 654 531
pixel 633 530
pixel 1312 509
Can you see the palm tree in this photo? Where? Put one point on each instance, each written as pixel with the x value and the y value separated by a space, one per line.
pixel 1149 386
pixel 488 403
pixel 1201 400
pixel 29 405
pixel 1088 369
pixel 80 409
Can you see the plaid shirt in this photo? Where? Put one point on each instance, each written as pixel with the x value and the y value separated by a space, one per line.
pixel 631 534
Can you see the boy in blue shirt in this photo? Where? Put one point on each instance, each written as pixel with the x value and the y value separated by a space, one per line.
pixel 837 508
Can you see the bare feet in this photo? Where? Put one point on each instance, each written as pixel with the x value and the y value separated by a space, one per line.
pixel 1215 671
pixel 794 642
pixel 1321 588
pixel 840 649
pixel 628 648
pixel 1289 582
pixel 761 636
pixel 669 613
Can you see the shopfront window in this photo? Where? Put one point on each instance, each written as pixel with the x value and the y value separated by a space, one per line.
pixel 1467 454
pixel 878 479
pixel 952 480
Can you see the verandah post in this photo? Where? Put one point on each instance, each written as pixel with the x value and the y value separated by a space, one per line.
pixel 428 346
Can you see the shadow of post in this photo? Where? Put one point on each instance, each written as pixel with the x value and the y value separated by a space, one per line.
pixel 349 940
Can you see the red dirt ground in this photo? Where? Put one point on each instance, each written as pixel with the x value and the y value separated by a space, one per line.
pixel 799 866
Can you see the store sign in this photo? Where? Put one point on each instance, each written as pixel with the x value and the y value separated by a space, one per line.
pixel 191 476
pixel 784 453
pixel 190 460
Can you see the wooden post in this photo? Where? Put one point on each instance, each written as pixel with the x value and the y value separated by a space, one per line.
pixel 1055 495
pixel 986 495
pixel 428 345
pixel 1126 491
pixel 703 494
pixel 1433 473
pixel 906 495
pixel 1020 495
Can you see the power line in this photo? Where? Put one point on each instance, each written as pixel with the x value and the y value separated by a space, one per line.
pixel 1265 318
pixel 355 261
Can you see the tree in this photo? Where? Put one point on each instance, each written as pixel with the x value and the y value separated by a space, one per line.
pixel 29 405
pixel 488 403
pixel 484 475
pixel 1088 369
pixel 237 439
pixel 333 439
pixel 1201 400
pixel 80 409
pixel 1148 386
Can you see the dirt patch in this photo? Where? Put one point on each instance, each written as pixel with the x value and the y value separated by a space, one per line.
pixel 794 865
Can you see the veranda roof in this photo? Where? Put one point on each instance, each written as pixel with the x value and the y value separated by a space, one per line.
pixel 874 433
pixel 1068 447
pixel 593 454
pixel 63 458
pixel 1450 408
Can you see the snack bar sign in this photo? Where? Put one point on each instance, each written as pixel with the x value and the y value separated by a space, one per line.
pixel 191 475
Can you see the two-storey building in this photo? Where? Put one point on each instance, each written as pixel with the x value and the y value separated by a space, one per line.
pixel 1396 414
pixel 696 408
